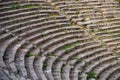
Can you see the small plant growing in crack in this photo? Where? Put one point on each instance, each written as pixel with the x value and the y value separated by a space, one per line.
pixel 91 75
pixel 78 61
pixel 5 56
pixel 30 55
pixel 15 6
pixel 68 46
pixel 102 30
pixel 115 36
pixel 45 66
pixel 74 58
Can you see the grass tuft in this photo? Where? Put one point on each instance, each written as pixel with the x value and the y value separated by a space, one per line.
pixel 30 55
pixel 91 75
pixel 68 46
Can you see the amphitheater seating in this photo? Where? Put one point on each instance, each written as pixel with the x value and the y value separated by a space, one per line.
pixel 59 40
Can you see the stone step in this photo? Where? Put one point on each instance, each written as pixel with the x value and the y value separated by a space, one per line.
pixel 38 67
pixel 3 46
pixel 19 60
pixel 100 62
pixel 10 55
pixel 109 72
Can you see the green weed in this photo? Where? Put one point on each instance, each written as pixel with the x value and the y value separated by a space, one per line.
pixel 78 61
pixel 91 75
pixel 68 46
pixel 115 36
pixel 30 55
